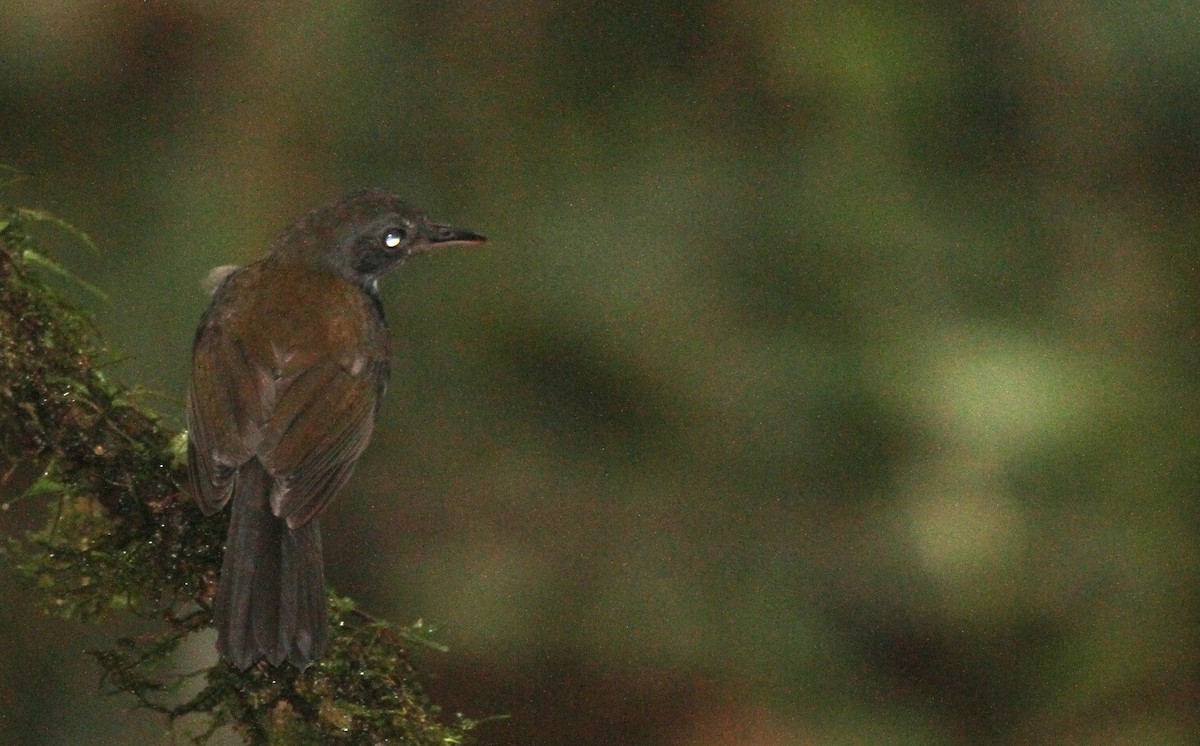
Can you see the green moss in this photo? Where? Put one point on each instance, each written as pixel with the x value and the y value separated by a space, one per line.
pixel 123 536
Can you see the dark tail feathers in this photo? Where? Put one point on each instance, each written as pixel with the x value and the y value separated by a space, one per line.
pixel 271 598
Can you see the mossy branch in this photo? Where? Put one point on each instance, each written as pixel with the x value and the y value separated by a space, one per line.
pixel 123 536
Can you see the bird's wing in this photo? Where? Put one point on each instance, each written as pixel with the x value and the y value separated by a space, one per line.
pixel 301 399
pixel 227 400
pixel 319 426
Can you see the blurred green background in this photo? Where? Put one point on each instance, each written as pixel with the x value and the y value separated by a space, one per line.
pixel 830 376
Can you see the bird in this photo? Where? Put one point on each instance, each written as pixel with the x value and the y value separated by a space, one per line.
pixel 290 363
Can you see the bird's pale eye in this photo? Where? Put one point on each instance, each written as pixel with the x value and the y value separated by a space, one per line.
pixel 393 238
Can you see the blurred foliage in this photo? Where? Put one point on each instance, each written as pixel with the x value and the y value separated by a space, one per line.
pixel 122 536
pixel 830 375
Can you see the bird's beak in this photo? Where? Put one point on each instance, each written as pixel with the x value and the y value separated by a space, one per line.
pixel 439 236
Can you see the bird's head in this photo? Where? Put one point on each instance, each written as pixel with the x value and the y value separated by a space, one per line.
pixel 368 233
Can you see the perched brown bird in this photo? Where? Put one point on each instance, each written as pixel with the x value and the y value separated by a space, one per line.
pixel 289 366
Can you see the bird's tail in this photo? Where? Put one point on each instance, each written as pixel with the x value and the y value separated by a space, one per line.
pixel 271 598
